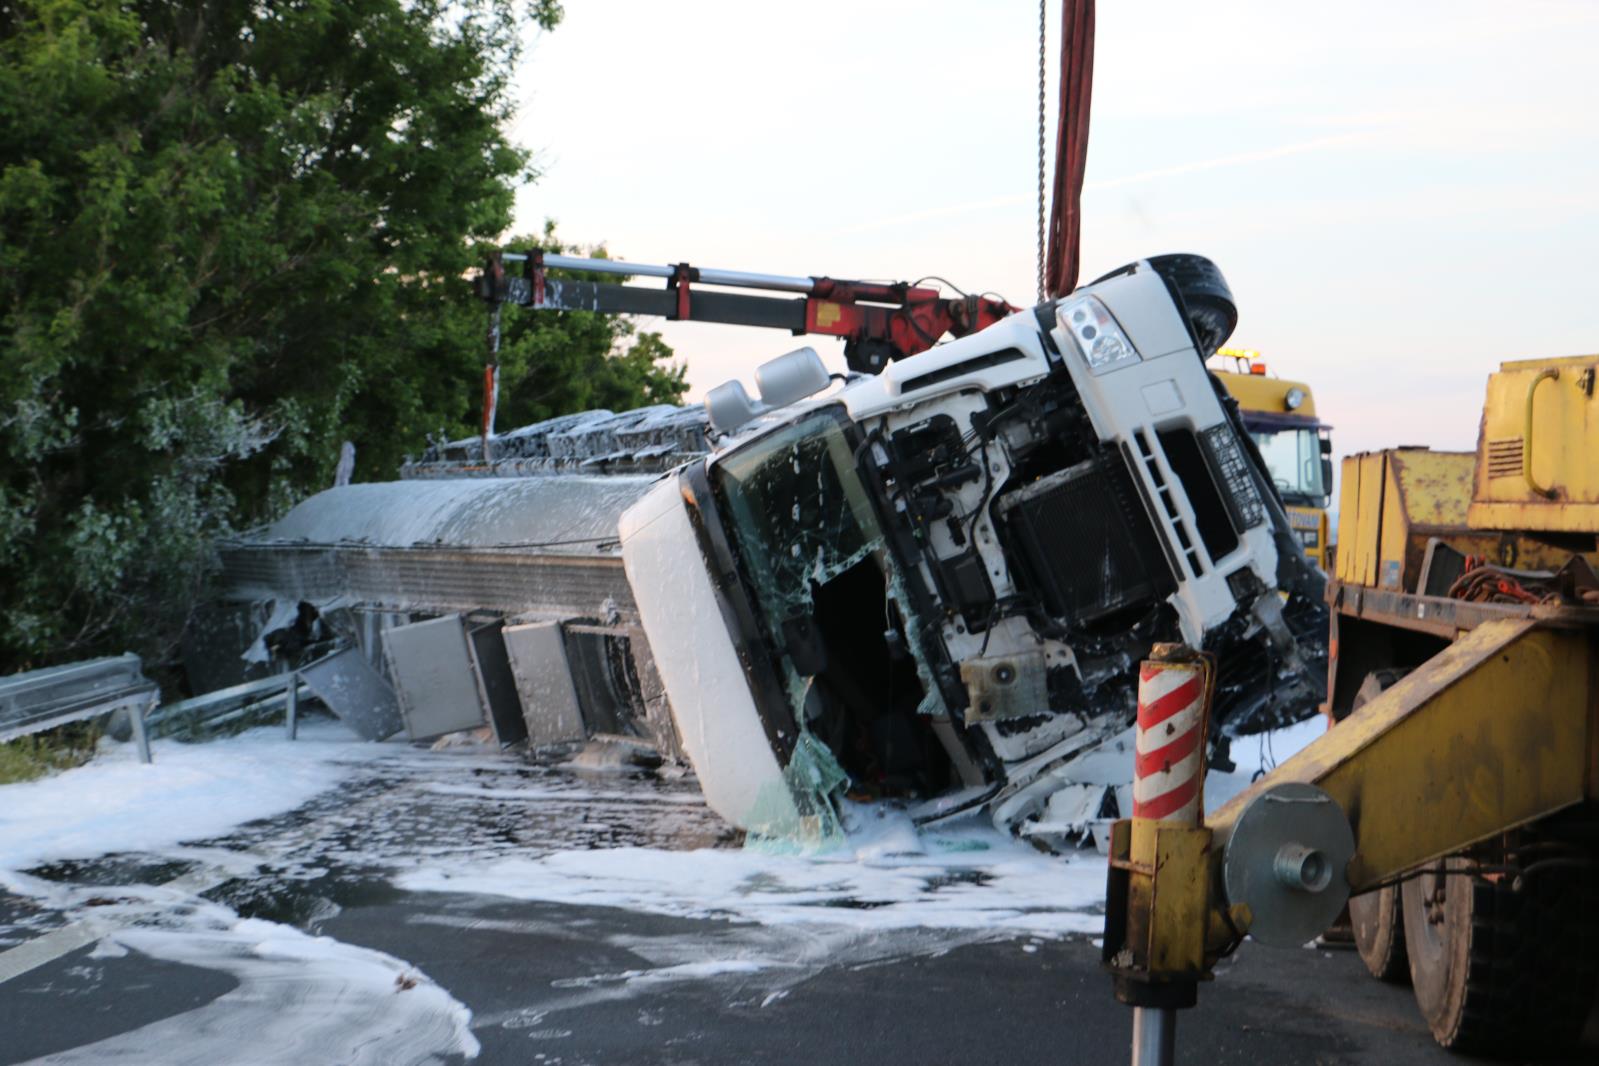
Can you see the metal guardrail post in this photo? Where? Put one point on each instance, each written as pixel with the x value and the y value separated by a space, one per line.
pixel 141 736
pixel 291 706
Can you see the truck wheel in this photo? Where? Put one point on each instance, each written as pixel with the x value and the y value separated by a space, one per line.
pixel 1380 934
pixel 1375 916
pixel 1500 970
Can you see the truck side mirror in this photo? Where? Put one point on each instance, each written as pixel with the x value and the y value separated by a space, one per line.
pixel 729 406
pixel 791 377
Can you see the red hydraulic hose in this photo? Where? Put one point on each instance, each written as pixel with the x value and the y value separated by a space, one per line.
pixel 1071 146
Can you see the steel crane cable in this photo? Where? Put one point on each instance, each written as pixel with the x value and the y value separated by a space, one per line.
pixel 1043 82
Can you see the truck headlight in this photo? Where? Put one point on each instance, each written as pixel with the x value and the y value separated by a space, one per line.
pixel 1103 344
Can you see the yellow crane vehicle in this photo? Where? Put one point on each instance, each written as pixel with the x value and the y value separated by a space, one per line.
pixel 1297 447
pixel 1454 800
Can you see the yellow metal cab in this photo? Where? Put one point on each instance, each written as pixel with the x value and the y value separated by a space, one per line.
pixel 1297 446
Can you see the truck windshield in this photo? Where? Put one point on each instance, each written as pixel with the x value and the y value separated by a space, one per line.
pixel 1293 457
pixel 799 513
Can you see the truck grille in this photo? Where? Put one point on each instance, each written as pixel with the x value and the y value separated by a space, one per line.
pixel 1085 542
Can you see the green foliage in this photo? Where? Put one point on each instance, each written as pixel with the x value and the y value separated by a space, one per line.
pixel 233 234
pixel 55 749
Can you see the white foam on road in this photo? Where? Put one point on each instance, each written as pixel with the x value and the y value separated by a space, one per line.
pixel 562 795
pixel 886 876
pixel 300 998
pixel 888 891
pixel 191 791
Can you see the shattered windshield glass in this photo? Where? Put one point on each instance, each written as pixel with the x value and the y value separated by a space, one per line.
pixel 798 512
pixel 800 517
pixel 833 605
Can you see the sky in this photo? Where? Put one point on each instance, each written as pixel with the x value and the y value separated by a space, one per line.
pixel 1400 195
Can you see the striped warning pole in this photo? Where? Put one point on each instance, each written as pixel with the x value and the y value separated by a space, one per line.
pixel 1169 769
pixel 1168 786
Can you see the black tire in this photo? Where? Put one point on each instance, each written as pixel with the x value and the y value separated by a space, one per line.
pixel 1205 296
pixel 1500 971
pixel 1379 932
pixel 1375 916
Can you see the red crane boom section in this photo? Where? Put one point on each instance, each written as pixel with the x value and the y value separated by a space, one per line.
pixel 1071 147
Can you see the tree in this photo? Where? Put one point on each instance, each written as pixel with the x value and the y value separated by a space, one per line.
pixel 233 234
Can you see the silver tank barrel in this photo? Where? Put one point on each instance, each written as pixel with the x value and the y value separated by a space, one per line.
pixel 606 266
pixel 744 280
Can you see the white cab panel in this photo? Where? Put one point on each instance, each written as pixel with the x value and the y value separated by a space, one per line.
pixel 711 703
pixel 1131 404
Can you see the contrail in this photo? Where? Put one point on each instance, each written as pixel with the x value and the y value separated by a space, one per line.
pixel 1240 159
pixel 1236 160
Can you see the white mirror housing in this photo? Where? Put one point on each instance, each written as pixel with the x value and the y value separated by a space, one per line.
pixel 730 406
pixel 791 377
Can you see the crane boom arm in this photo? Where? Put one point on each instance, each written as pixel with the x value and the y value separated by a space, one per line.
pixel 878 321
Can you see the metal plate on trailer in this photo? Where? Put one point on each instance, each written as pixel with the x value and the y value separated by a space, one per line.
pixel 356 692
pixel 543 677
pixel 497 683
pixel 1302 819
pixel 431 664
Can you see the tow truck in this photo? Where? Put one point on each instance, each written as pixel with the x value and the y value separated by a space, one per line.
pixel 1297 446
pixel 1454 800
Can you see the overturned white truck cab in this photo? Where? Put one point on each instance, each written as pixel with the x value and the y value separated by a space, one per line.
pixel 936 583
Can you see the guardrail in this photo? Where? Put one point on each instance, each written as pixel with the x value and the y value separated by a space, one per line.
pixel 36 700
pixel 229 704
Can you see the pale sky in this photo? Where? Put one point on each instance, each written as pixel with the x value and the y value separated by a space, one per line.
pixel 1400 194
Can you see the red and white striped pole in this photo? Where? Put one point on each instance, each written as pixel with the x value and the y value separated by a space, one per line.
pixel 1168 786
pixel 1169 767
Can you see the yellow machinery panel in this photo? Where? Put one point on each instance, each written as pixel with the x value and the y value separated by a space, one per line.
pixel 1538 452
pixel 1499 729
pixel 1393 503
pixel 1345 563
pixel 1425 495
pixel 1360 517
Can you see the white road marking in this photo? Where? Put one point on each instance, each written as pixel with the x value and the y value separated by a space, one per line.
pixel 58 943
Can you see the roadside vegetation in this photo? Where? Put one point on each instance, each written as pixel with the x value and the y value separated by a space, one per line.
pixel 55 749
pixel 232 236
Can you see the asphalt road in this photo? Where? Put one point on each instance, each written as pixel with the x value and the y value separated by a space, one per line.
pixel 555 983
pixel 549 984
